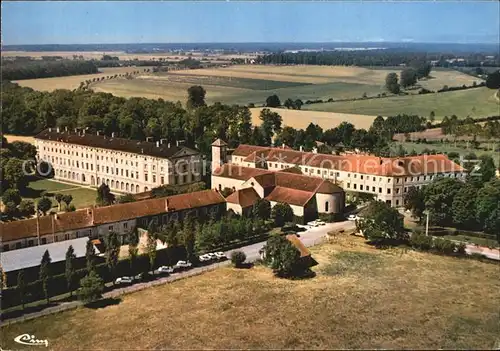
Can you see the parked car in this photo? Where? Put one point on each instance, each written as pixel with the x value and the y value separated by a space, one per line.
pixel 320 222
pixel 182 264
pixel 352 217
pixel 166 269
pixel 124 280
pixel 220 255
pixel 313 224
pixel 205 258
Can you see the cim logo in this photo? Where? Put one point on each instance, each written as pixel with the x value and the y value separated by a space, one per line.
pixel 30 340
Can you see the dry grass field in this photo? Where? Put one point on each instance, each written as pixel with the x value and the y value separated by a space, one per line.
pixel 326 120
pixel 72 82
pixel 27 139
pixel 360 298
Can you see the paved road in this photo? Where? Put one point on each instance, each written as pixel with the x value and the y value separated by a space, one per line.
pixel 310 237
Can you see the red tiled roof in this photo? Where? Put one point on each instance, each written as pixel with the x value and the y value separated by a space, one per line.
pixel 245 150
pixel 244 197
pixel 290 196
pixel 238 172
pixel 367 164
pixel 83 218
pixel 266 180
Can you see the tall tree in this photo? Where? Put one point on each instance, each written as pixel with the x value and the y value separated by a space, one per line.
pixel 488 206
pixel 151 244
pixel 439 197
pixel 45 274
pixel 262 209
pixel 67 199
pixel 282 213
pixel 408 77
pixel 493 80
pixel 133 242
pixel 59 198
pixel 104 195
pixel 196 97
pixel 44 205
pixel 414 201
pixel 70 269
pixel 91 287
pixel 90 255
pixel 112 252
pixel 188 237
pixel 381 222
pixel 462 207
pixel 273 101
pixel 283 257
pixel 391 83
pixel 21 287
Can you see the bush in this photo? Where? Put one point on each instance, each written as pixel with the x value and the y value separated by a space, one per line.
pixel 444 246
pixel 461 249
pixel 238 258
pixel 421 242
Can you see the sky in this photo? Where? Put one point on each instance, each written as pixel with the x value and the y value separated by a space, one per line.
pixel 86 22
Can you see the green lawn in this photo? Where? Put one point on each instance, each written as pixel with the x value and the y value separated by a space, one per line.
pixel 82 197
pixel 478 102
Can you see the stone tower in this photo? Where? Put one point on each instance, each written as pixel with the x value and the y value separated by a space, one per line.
pixel 219 154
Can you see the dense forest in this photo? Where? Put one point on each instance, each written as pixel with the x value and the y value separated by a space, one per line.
pixel 375 58
pixel 20 69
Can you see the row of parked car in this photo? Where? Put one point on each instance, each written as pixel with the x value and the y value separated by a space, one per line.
pixel 179 266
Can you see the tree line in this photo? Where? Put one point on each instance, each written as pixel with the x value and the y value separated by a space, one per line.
pixel 378 57
pixel 470 205
pixel 13 70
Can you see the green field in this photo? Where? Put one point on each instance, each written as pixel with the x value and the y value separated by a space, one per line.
pixel 82 197
pixel 478 102
pixel 238 91
pixel 445 148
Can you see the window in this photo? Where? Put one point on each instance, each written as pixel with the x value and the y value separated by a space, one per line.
pixel 349 175
pixel 406 189
pixel 397 180
pixel 397 190
pixel 425 177
pixel 388 202
pixel 326 206
pixel 380 190
pixel 318 171
pixel 162 180
pixel 388 191
pixel 126 173
pixel 355 185
pixel 361 187
pixel 397 202
pixel 418 179
pixel 110 228
pixel 388 180
pixel 125 225
pixel 121 172
pixel 361 176
pixel 6 247
pixel 373 188
pixel 145 177
pixel 44 241
pixel 305 170
pixel 154 178
pixel 355 175
pixel 348 185
pixel 374 178
pixel 338 174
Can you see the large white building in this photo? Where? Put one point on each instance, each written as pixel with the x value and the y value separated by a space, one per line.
pixel 124 165
pixel 387 179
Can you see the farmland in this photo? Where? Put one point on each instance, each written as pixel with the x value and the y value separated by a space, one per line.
pixel 425 301
pixel 72 82
pixel 326 120
pixel 478 102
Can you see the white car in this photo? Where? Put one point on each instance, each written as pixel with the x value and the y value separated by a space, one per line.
pixel 313 224
pixel 183 264
pixel 166 269
pixel 220 255
pixel 204 258
pixel 320 222
pixel 352 217
pixel 124 280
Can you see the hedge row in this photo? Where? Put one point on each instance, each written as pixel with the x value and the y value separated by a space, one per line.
pixel 58 284
pixel 439 245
